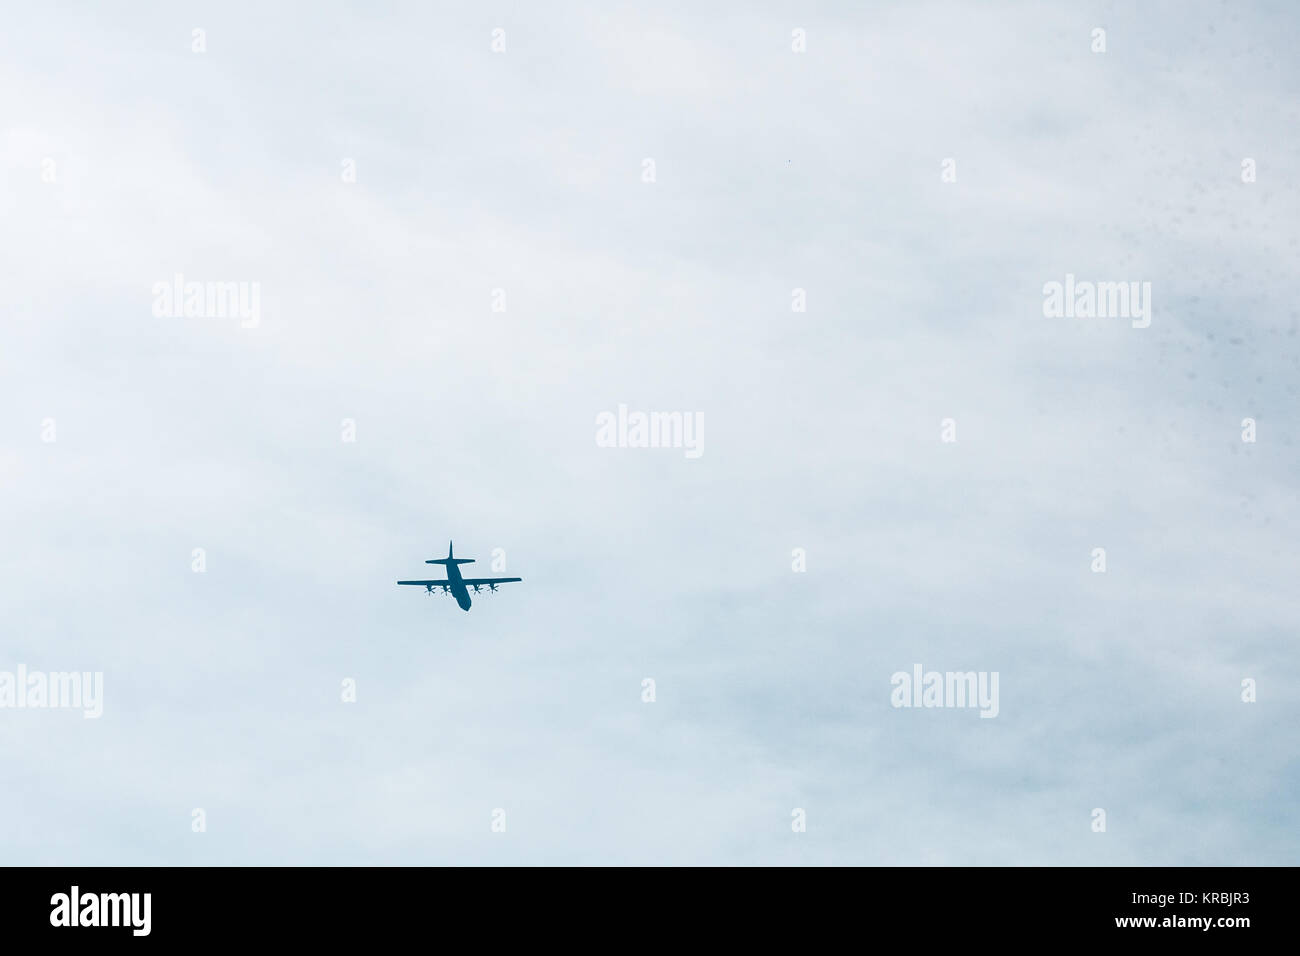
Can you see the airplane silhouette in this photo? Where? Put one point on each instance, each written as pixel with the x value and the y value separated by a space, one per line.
pixel 455 585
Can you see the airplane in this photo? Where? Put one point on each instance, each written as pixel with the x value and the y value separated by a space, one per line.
pixel 454 584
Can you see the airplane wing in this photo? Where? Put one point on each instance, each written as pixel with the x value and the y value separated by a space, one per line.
pixel 469 582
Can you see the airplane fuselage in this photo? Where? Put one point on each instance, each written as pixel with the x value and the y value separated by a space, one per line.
pixel 458 589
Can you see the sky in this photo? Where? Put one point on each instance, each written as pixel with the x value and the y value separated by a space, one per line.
pixel 462 259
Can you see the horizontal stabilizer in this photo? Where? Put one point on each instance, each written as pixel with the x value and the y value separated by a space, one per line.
pixel 450 558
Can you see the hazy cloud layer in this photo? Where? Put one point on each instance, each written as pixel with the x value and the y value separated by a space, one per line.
pixel 774 170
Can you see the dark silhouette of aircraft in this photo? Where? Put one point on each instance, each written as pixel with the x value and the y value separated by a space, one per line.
pixel 455 585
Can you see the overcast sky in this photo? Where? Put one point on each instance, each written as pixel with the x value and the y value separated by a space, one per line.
pixel 774 170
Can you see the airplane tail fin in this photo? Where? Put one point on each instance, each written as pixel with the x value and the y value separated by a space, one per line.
pixel 450 558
